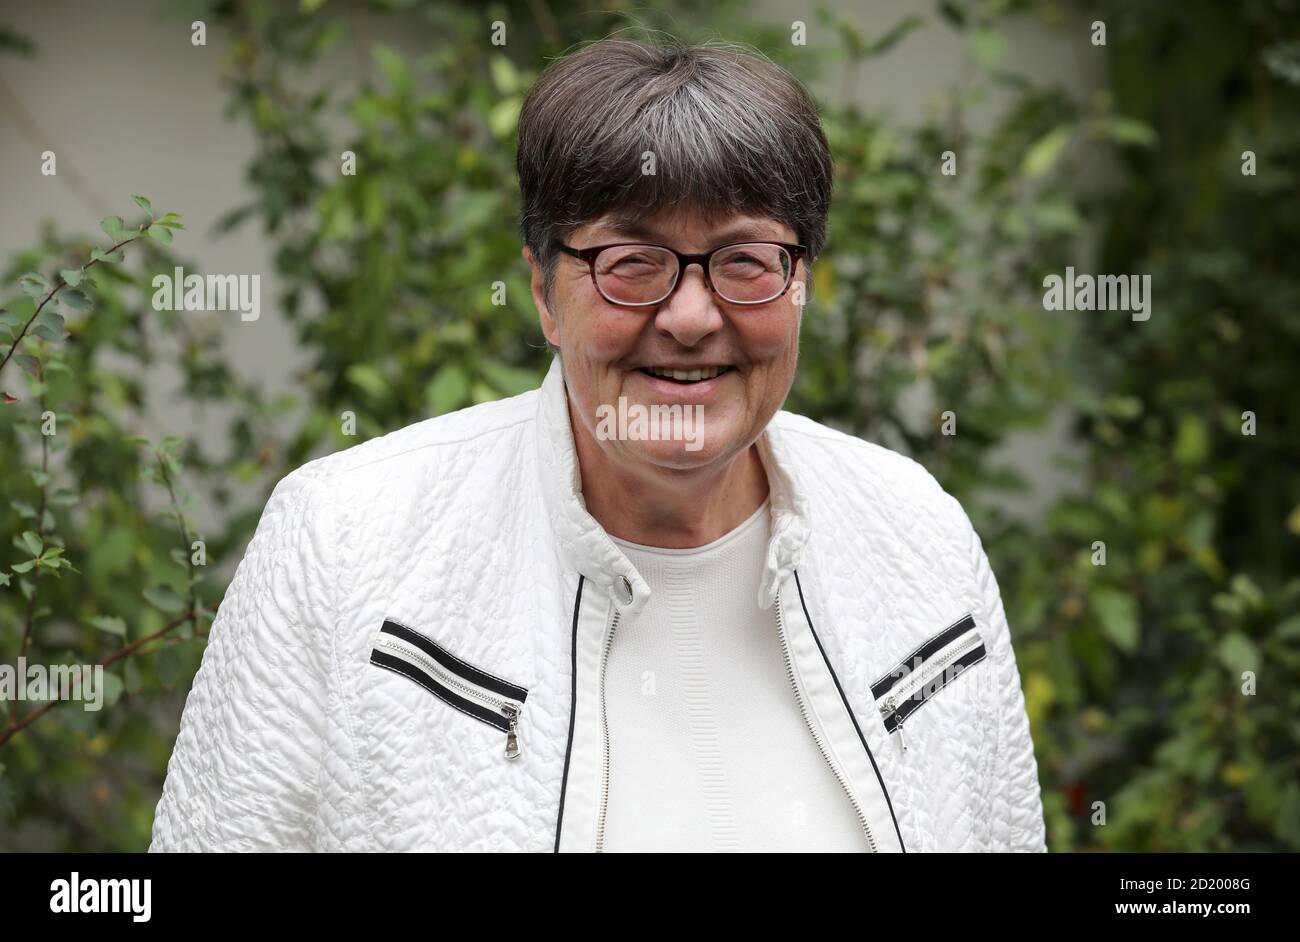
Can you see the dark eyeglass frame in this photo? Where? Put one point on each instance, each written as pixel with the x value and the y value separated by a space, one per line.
pixel 589 254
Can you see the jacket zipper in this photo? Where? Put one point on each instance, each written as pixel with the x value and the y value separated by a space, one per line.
pixel 506 707
pixel 817 738
pixel 923 675
pixel 604 726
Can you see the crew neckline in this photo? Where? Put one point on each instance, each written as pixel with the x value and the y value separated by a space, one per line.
pixel 731 536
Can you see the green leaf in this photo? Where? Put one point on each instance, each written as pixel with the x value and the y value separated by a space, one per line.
pixel 504 116
pixel 447 392
pixel 168 666
pixel 1192 446
pixel 74 300
pixel 144 204
pixel 131 676
pixel 953 13
pixel 1238 653
pixel 24 566
pixel 160 234
pixel 1245 588
pixel 99 255
pixel 850 34
pixel 164 597
pixel 33 542
pixel 71 276
pixel 1129 131
pixel 30 365
pixel 394 68
pixel 45 330
pixel 1043 153
pixel 367 378
pixel 1118 615
pixel 34 284
pixel 895 35
pixel 113 227
pixel 509 380
pixel 987 47
pixel 113 686
pixel 52 322
pixel 110 623
pixel 504 74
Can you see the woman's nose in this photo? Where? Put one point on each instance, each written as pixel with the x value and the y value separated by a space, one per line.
pixel 691 312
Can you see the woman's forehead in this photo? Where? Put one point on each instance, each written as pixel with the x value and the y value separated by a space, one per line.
pixel 677 225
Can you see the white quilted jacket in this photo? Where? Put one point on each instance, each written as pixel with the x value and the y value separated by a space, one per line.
pixel 410 654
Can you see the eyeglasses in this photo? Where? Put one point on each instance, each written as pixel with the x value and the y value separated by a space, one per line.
pixel 640 274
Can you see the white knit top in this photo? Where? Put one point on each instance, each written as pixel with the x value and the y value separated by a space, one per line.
pixel 708 749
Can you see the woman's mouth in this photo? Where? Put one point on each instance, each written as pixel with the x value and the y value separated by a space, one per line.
pixel 685 377
pixel 697 384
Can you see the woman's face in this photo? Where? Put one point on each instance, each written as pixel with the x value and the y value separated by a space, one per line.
pixel 609 351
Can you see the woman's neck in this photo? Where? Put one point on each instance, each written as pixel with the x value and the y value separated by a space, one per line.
pixel 668 507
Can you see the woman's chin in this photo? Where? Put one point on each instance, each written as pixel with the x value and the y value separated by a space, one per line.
pixel 694 451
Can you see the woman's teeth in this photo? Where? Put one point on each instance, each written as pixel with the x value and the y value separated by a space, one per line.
pixel 686 376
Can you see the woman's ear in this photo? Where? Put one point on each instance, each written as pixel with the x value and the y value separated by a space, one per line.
pixel 550 326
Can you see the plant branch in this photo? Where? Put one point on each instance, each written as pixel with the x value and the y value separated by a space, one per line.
pixel 16 725
pixel 55 290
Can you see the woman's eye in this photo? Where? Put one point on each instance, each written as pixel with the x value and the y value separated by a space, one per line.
pixel 634 264
pixel 742 263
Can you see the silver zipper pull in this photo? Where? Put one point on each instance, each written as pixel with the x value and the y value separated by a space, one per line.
pixel 512 735
pixel 891 706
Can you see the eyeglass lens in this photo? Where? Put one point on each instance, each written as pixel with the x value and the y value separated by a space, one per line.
pixel 750 273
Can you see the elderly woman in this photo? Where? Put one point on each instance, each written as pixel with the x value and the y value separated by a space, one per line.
pixel 640 607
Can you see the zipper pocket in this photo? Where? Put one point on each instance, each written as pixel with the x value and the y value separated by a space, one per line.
pixel 467 689
pixel 926 671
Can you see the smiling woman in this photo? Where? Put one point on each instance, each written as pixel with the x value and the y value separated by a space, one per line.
pixel 684 643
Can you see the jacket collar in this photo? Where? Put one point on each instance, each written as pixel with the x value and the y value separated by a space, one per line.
pixel 589 549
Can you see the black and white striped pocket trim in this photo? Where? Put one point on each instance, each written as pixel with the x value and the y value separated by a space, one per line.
pixel 470 690
pixel 926 670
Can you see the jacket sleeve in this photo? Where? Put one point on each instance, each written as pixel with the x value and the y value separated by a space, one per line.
pixel 1017 804
pixel 244 771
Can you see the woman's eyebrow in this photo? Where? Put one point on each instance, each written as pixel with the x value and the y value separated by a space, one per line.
pixel 631 230
pixel 742 233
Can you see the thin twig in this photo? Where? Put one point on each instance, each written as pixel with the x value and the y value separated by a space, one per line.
pixel 55 290
pixel 16 726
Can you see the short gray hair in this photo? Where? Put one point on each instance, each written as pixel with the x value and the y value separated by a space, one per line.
pixel 730 130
